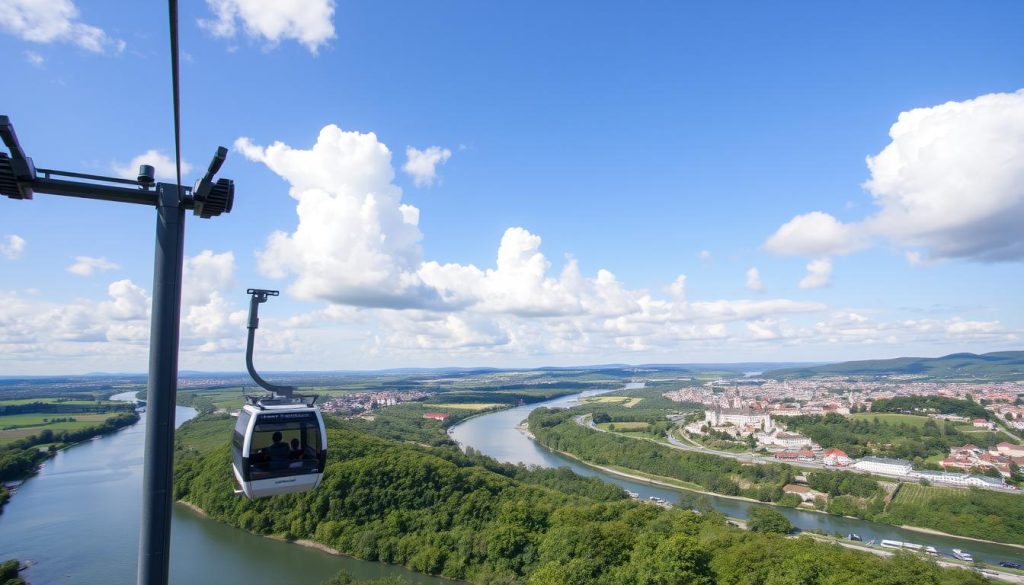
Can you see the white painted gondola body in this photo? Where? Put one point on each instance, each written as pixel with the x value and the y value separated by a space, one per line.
pixel 278 449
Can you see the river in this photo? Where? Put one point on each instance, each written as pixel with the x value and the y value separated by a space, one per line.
pixel 78 521
pixel 497 435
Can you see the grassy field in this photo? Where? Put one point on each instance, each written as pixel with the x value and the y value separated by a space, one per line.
pixel 911 493
pixel 625 426
pixel 633 402
pixel 19 426
pixel 645 436
pixel 608 399
pixel 970 428
pixel 891 418
pixel 42 419
pixel 204 434
pixel 469 405
pixel 18 401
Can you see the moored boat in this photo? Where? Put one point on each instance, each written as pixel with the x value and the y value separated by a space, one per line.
pixel 963 555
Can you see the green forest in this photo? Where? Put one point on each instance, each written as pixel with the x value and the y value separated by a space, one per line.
pixel 930 404
pixel 438 511
pixel 9 573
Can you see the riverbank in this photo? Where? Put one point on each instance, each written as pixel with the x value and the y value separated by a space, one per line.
pixel 586 422
pixel 836 540
pixel 660 481
pixel 940 533
pixel 670 483
pixel 303 542
pixel 193 507
pixel 11 480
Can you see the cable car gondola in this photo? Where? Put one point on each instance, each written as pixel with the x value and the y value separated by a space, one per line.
pixel 279 445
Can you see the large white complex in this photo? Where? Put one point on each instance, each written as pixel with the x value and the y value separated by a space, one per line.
pixel 884 466
pixel 741 417
pixel 961 479
pixel 786 440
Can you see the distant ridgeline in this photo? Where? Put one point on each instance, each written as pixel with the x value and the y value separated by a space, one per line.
pixel 438 511
pixel 1004 365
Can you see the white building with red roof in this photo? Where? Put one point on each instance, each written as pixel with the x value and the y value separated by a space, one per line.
pixel 836 458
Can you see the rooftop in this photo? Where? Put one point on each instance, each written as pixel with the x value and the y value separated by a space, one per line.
pixel 885 461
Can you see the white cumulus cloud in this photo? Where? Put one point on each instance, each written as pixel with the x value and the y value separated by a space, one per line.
pixel 816 234
pixel 50 21
pixel 309 22
pixel 356 245
pixel 950 184
pixel 12 246
pixel 128 301
pixel 163 166
pixel 87 265
pixel 819 274
pixel 952 179
pixel 356 242
pixel 207 315
pixel 754 280
pixel 421 165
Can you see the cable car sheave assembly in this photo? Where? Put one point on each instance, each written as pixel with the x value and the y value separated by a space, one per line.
pixel 280 444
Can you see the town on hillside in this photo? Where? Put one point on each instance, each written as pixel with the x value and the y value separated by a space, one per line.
pixel 765 416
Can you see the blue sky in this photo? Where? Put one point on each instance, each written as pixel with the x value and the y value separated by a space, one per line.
pixel 647 142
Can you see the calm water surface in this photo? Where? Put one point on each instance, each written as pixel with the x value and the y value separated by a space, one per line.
pixel 78 520
pixel 496 435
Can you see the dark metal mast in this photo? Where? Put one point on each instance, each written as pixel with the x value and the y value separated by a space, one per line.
pixel 20 179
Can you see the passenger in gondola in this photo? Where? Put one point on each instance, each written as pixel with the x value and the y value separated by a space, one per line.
pixel 297 451
pixel 278 452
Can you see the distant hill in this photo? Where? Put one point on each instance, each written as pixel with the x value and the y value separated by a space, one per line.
pixel 1001 365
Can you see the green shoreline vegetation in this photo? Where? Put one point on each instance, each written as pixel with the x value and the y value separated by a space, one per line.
pixel 9 573
pixel 464 516
pixel 41 433
pixel 983 514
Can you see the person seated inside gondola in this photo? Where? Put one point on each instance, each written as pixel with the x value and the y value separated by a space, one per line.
pixel 296 452
pixel 278 452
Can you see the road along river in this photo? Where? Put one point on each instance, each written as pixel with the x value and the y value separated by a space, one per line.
pixel 498 436
pixel 78 522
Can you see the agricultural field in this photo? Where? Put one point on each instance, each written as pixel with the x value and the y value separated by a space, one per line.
pixel 607 399
pixel 913 494
pixel 19 426
pixel 19 401
pixel 469 405
pixel 633 402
